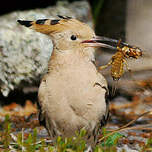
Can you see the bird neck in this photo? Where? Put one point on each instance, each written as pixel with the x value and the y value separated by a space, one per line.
pixel 61 59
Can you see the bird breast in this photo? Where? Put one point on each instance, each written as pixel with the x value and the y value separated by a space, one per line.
pixel 73 87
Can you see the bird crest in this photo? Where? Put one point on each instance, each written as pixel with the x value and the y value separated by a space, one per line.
pixel 48 26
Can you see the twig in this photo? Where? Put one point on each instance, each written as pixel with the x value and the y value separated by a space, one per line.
pixel 125 127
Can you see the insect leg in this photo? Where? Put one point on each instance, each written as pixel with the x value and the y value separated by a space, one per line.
pixel 130 72
pixel 126 65
pixel 105 66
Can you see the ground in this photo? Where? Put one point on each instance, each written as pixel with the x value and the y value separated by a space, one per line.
pixel 23 119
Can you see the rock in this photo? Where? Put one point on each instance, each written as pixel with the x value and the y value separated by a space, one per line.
pixel 24 54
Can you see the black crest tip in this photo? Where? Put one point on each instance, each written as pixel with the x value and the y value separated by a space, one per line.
pixel 41 21
pixel 54 22
pixel 64 17
pixel 25 23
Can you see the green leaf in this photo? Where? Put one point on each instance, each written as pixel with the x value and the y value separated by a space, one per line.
pixel 112 140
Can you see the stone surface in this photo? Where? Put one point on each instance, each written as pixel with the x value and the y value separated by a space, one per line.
pixel 24 53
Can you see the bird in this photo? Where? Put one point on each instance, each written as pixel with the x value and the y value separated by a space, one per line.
pixel 72 94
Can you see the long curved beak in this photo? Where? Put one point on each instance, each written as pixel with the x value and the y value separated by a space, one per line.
pixel 100 41
pixel 107 39
pixel 96 42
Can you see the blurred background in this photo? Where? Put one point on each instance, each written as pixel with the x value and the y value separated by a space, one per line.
pixel 105 13
pixel 23 57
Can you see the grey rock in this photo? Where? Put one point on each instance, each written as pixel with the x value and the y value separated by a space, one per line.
pixel 24 54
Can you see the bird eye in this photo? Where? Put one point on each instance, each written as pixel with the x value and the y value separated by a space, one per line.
pixel 73 37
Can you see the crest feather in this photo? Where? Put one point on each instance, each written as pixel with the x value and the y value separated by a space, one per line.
pixel 48 26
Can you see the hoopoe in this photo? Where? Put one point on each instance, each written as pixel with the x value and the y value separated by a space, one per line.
pixel 72 94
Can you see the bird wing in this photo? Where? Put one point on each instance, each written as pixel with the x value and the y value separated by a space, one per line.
pixel 103 85
pixel 41 98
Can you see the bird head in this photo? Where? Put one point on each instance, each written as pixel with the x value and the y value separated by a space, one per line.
pixel 66 33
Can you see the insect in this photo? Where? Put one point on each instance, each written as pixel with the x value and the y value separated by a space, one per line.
pixel 118 60
pixel 133 52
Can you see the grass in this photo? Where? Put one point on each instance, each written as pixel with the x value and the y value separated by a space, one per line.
pixel 18 143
